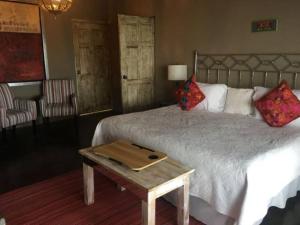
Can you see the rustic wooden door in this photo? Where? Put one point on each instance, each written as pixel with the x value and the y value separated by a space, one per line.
pixel 136 39
pixel 92 63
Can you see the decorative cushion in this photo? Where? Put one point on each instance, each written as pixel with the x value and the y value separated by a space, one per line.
pixel 189 94
pixel 239 101
pixel 215 97
pixel 280 106
pixel 260 92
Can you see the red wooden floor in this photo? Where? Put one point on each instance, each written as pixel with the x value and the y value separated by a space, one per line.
pixel 59 201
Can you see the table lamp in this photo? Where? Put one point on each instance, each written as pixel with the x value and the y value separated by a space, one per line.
pixel 177 73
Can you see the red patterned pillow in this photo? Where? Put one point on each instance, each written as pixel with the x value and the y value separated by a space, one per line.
pixel 189 94
pixel 280 106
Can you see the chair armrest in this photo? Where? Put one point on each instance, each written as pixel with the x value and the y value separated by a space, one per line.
pixel 43 103
pixel 74 102
pixel 26 105
pixel 2 117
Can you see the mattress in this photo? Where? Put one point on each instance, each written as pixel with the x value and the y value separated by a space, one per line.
pixel 241 164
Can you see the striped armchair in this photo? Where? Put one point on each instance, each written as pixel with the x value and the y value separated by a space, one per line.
pixel 58 99
pixel 15 111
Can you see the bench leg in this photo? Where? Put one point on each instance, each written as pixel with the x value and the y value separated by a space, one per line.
pixel 183 203
pixel 88 184
pixel 148 210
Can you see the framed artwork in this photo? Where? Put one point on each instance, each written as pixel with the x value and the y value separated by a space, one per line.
pixel 264 25
pixel 21 43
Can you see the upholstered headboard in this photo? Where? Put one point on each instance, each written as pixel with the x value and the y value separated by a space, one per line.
pixel 248 70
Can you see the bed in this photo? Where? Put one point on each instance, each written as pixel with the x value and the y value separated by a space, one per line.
pixel 242 166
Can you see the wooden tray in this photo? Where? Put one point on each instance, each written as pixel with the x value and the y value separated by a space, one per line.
pixel 131 155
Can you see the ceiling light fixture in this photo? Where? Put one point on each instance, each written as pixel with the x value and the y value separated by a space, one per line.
pixel 56 7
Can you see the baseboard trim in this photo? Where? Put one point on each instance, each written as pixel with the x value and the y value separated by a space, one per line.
pixel 95 112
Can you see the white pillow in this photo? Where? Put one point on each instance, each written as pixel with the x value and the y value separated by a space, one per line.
pixel 215 97
pixel 261 91
pixel 239 101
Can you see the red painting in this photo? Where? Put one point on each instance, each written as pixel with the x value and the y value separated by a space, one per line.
pixel 21 46
pixel 21 57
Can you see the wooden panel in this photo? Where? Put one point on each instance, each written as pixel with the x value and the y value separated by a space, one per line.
pixel 146 65
pixel 85 97
pixel 103 90
pixel 84 37
pixel 100 68
pixel 146 33
pixel 84 60
pixel 92 66
pixel 131 33
pixel 99 36
pixel 136 39
pixel 145 94
pixel 132 96
pixel 132 63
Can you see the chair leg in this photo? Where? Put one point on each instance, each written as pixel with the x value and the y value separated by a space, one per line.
pixel 76 125
pixel 14 130
pixel 4 134
pixel 46 120
pixel 34 127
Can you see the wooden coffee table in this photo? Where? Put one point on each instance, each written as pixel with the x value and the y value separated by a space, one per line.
pixel 148 184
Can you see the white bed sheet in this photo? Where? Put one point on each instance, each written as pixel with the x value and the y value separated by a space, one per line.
pixel 240 163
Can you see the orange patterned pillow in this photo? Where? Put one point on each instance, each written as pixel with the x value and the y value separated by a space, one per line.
pixel 189 94
pixel 280 106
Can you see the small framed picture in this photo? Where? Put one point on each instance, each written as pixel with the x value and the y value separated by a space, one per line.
pixel 264 25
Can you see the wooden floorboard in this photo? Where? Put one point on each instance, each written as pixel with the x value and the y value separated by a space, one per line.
pixel 60 201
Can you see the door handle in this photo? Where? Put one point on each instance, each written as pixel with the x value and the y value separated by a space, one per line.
pixel 124 77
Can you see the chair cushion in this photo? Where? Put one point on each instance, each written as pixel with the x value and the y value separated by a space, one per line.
pixel 59 109
pixel 14 117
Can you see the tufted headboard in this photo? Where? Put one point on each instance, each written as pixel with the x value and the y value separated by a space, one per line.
pixel 248 70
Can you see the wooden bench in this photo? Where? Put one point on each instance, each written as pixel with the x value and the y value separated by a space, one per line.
pixel 148 184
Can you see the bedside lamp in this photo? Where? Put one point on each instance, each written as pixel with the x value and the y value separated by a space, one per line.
pixel 177 73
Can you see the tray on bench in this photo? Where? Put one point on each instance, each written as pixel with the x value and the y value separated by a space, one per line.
pixel 129 154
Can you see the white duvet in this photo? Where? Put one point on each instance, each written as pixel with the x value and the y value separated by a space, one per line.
pixel 240 163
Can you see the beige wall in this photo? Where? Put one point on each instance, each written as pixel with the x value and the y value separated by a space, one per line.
pixel 59 41
pixel 211 26
pixel 217 26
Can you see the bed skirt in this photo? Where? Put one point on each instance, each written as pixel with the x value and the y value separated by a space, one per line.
pixel 204 213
